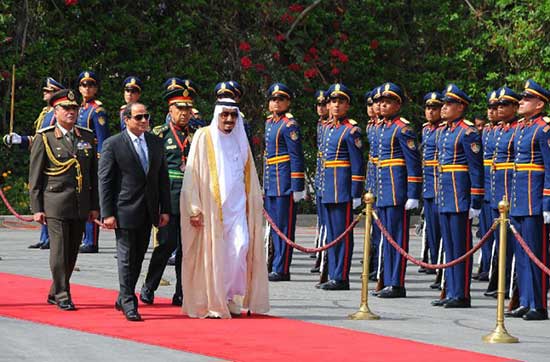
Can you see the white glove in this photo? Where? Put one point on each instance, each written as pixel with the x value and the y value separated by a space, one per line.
pixel 546 217
pixel 12 139
pixel 411 204
pixel 356 202
pixel 474 213
pixel 298 195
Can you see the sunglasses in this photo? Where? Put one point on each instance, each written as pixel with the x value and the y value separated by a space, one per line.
pixel 141 117
pixel 131 90
pixel 88 84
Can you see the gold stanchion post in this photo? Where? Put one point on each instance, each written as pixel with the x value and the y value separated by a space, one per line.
pixel 364 312
pixel 500 334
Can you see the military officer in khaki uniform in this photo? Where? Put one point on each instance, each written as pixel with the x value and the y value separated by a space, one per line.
pixel 63 190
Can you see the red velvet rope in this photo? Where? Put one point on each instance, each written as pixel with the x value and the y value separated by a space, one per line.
pixel 528 251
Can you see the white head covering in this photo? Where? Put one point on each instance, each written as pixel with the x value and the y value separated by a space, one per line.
pixel 226 143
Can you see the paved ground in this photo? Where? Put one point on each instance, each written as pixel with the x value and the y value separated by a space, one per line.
pixel 411 318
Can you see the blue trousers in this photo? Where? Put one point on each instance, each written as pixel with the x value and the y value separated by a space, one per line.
pixel 433 230
pixel 281 209
pixel 532 282
pixel 320 219
pixel 456 231
pixel 337 218
pixel 486 218
pixel 396 220
pixel 91 235
pixel 44 236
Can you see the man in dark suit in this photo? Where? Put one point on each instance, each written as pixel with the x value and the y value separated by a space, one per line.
pixel 134 194
pixel 63 190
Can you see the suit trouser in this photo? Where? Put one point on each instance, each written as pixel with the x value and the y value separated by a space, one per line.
pixel 65 237
pixel 282 210
pixel 456 231
pixel 44 236
pixel 433 230
pixel 91 237
pixel 169 238
pixel 396 220
pixel 337 218
pixel 485 221
pixel 532 281
pixel 131 245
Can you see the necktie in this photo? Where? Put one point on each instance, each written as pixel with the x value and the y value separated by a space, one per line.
pixel 142 155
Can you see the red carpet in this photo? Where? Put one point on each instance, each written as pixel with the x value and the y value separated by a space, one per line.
pixel 256 338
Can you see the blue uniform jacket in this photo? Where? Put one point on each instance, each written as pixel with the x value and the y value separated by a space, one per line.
pixel 531 183
pixel 320 135
pixel 92 115
pixel 488 146
pixel 45 119
pixel 399 165
pixel 430 164
pixel 343 170
pixel 460 167
pixel 503 163
pixel 372 131
pixel 283 156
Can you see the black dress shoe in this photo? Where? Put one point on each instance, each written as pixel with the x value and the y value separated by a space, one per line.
pixel 35 246
pixel 336 285
pixel 45 246
pixel 373 276
pixel 422 269
pixel 278 277
pixel 458 303
pixel 517 313
pixel 491 293
pixel 431 271
pixel 66 304
pixel 393 292
pixel 177 300
pixel 133 316
pixel 483 277
pixel 87 249
pixel 146 296
pixel 51 299
pixel 315 269
pixel 118 306
pixel 435 285
pixel 439 302
pixel 536 315
pixel 171 260
pixel 312 256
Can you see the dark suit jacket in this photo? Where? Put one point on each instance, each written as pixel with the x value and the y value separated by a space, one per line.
pixel 126 192
pixel 56 194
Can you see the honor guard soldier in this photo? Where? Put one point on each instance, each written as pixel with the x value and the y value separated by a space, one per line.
pixel 433 101
pixel 63 190
pixel 45 119
pixel 92 115
pixel 399 185
pixel 342 182
pixel 133 86
pixel 460 192
pixel 486 215
pixel 530 204
pixel 177 137
pixel 321 109
pixel 283 175
pixel 501 176
pixel 372 132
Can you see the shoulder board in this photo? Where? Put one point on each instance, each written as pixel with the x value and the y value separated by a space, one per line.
pixel 100 110
pixel 546 119
pixel 123 107
pixel 270 116
pixel 98 102
pixel 352 122
pixel 160 129
pixel 488 125
pixel 522 119
pixel 404 120
pixel 355 129
pixel 242 115
pixel 291 123
pixel 49 128
pixel 468 123
pixel 84 128
pixel 289 115
pixel 425 124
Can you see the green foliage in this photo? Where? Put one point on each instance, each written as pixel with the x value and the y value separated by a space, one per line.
pixel 420 45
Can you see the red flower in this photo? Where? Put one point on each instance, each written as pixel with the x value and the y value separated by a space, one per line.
pixel 5 74
pixel 259 67
pixel 256 141
pixel 307 58
pixel 280 37
pixel 296 8
pixel 344 37
pixel 287 18
pixel 374 44
pixel 313 51
pixel 7 40
pixel 335 71
pixel 246 62
pixel 244 46
pixel 335 53
pixel 276 56
pixel 343 58
pixel 294 67
pixel 71 2
pixel 310 73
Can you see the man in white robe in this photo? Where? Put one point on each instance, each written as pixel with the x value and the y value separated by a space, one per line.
pixel 223 264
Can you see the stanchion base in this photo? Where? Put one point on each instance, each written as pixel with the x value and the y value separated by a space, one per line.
pixel 363 314
pixel 500 335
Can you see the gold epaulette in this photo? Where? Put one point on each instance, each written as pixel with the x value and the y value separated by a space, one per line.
pixel 98 102
pixel 546 119
pixel 468 123
pixel 99 110
pixel 159 130
pixel 425 124
pixel 404 120
pixel 123 107
pixel 289 115
pixel 42 130
pixel 352 122
pixel 270 116
pixel 242 115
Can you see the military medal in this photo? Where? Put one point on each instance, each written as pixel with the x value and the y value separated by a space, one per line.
pixel 181 145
